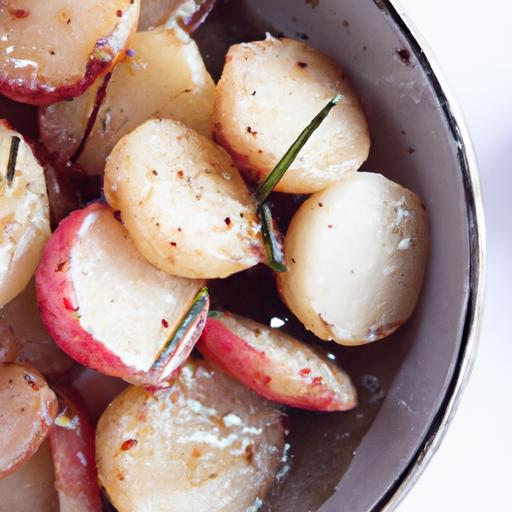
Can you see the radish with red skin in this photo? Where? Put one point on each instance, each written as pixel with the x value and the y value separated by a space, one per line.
pixel 73 453
pixel 60 47
pixel 104 304
pixel 275 365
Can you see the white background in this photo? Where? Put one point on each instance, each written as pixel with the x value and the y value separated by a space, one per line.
pixel 472 41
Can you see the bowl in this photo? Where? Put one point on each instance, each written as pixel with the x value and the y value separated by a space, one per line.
pixel 409 384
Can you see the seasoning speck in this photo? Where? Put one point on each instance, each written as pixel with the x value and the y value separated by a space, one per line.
pixel 129 444
pixel 165 323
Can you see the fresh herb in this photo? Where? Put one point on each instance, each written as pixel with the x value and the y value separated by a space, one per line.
pixel 187 322
pixel 263 191
pixel 13 157
pixel 273 247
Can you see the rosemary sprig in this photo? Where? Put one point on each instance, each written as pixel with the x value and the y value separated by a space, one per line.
pixel 275 256
pixel 274 250
pixel 189 318
pixel 263 191
pixel 13 157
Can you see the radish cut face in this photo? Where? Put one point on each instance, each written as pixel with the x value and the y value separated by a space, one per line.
pixel 207 443
pixel 96 264
pixel 194 217
pixel 24 213
pixel 164 78
pixel 55 49
pixel 124 311
pixel 31 488
pixel 27 409
pixel 275 365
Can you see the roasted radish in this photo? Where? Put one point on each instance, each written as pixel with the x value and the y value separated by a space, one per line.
pixel 108 308
pixel 164 77
pixel 55 49
pixel 183 201
pixel 356 254
pixel 188 14
pixel 276 365
pixel 31 487
pixel 270 90
pixel 27 409
pixel 24 214
pixel 20 318
pixel 72 445
pixel 207 443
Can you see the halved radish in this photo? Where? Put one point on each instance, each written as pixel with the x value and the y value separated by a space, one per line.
pixel 30 488
pixel 55 49
pixel 356 255
pixel 24 215
pixel 276 365
pixel 21 319
pixel 268 92
pixel 108 308
pixel 207 443
pixel 164 78
pixel 73 453
pixel 27 409
pixel 188 14
pixel 183 201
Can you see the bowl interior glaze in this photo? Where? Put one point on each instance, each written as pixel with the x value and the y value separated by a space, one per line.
pixel 351 461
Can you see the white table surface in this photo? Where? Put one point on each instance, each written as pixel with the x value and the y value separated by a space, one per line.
pixel 472 471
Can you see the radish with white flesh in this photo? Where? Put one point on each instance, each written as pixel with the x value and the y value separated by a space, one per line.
pixel 21 319
pixel 27 409
pixel 268 91
pixel 207 443
pixel 55 49
pixel 188 14
pixel 24 213
pixel 31 487
pixel 183 202
pixel 73 453
pixel 108 308
pixel 276 365
pixel 164 77
pixel 356 254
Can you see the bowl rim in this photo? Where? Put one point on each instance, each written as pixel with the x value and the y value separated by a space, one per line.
pixel 476 279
